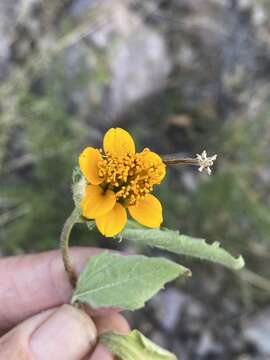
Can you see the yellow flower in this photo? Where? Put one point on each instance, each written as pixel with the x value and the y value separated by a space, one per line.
pixel 118 178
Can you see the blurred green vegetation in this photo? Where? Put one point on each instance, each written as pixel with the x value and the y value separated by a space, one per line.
pixel 41 137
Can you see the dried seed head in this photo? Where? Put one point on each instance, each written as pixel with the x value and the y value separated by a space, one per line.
pixel 206 162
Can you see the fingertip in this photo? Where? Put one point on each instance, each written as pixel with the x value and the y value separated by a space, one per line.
pixel 101 353
pixel 100 312
pixel 68 330
pixel 112 322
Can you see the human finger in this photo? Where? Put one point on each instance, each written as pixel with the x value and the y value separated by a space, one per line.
pixel 33 283
pixel 63 333
pixel 113 322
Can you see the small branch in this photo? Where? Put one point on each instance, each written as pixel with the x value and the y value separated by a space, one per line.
pixel 174 160
pixel 64 247
pixel 203 161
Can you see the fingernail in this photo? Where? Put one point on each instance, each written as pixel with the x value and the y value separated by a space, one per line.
pixel 67 334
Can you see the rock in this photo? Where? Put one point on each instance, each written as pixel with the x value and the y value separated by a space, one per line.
pixel 125 59
pixel 136 55
pixel 207 344
pixel 158 338
pixel 245 4
pixel 214 48
pixel 189 180
pixel 8 17
pixel 79 7
pixel 140 67
pixel 168 305
pixel 257 331
pixel 172 304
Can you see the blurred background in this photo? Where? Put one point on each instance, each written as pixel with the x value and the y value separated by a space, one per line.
pixel 182 76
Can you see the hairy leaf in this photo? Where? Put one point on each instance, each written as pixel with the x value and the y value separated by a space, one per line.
pixel 113 280
pixel 134 346
pixel 181 244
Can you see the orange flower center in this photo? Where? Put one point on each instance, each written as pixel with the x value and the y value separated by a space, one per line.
pixel 131 177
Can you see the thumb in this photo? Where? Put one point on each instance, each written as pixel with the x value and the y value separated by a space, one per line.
pixel 63 333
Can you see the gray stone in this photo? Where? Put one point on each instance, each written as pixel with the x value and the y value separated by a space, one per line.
pixel 140 67
pixel 189 180
pixel 168 305
pixel 206 343
pixel 78 7
pixel 134 55
pixel 257 330
pixel 8 17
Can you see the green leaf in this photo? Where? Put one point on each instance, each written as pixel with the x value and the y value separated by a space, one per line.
pixel 134 346
pixel 181 244
pixel 113 280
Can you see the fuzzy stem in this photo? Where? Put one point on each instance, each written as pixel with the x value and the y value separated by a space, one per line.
pixel 64 247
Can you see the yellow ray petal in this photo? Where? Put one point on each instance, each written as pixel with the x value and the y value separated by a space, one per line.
pixel 118 142
pixel 113 222
pixel 147 212
pixel 151 158
pixel 96 202
pixel 88 161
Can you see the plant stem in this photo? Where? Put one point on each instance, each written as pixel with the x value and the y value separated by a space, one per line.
pixel 64 247
pixel 203 161
pixel 173 160
pixel 255 279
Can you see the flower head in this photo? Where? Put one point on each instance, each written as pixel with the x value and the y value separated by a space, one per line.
pixel 118 179
pixel 205 162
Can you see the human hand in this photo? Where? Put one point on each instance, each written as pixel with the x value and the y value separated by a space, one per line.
pixel 34 323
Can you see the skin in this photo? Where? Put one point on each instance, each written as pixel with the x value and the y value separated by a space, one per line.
pixel 36 321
